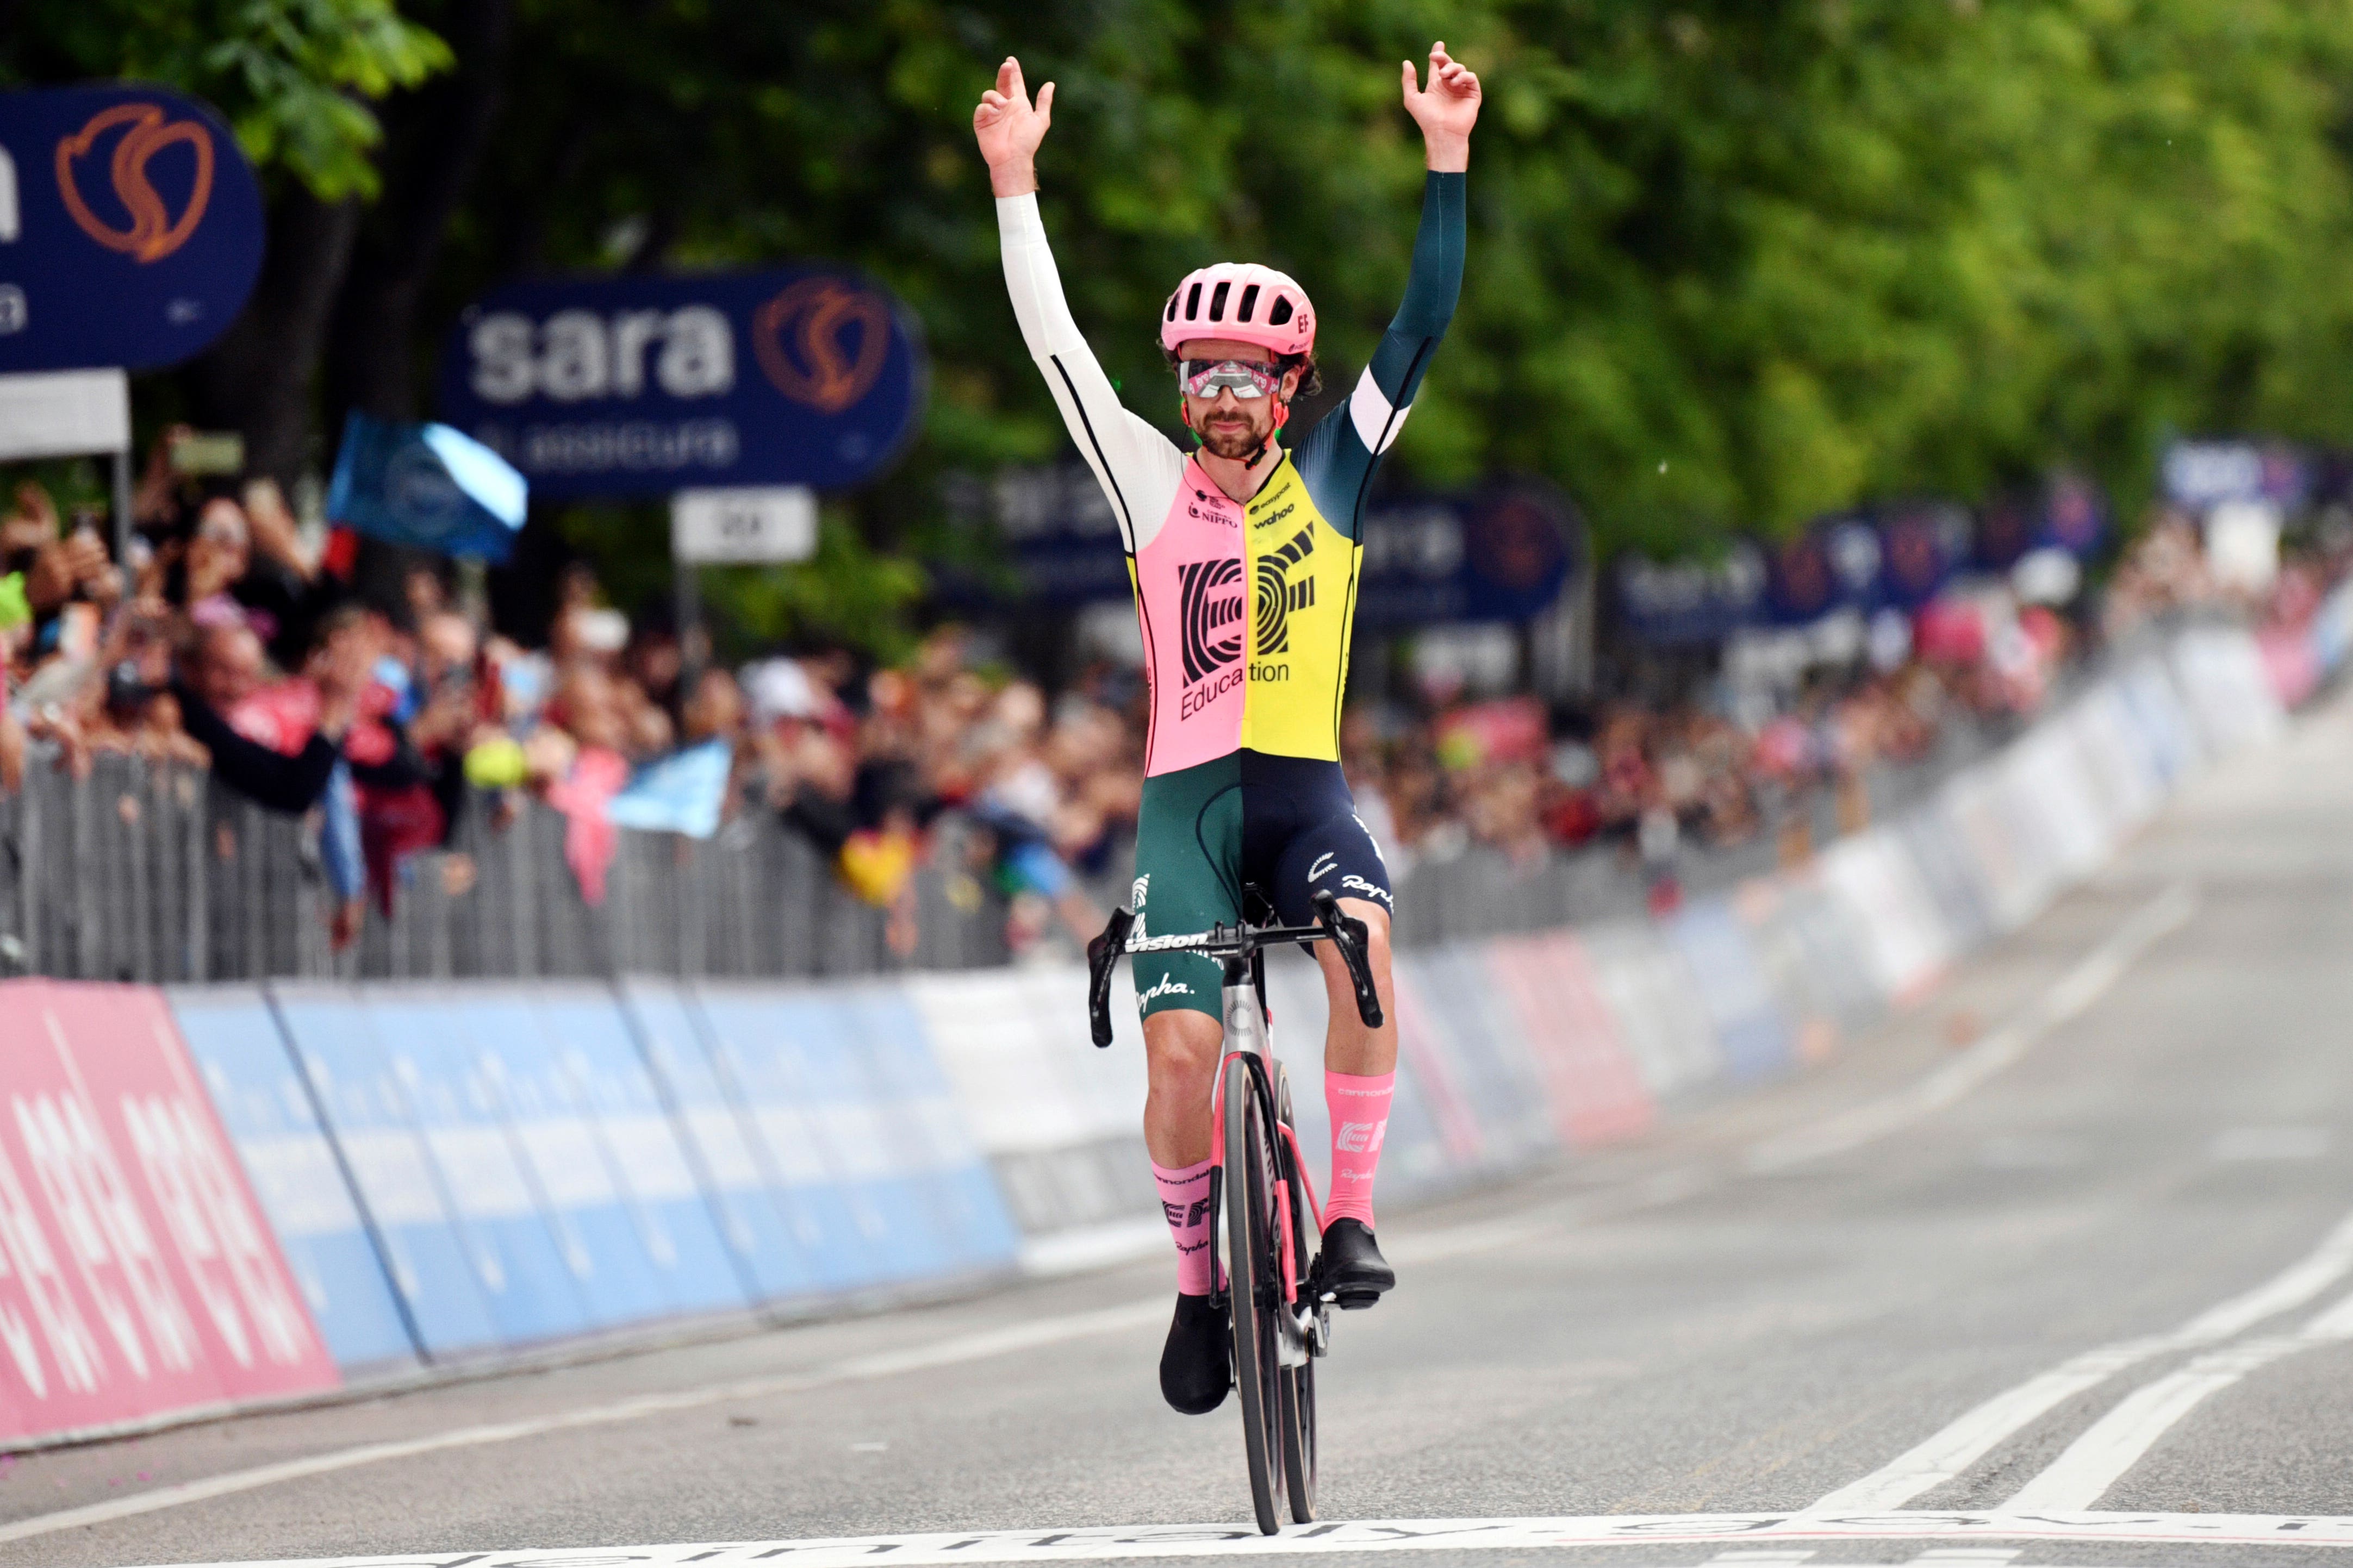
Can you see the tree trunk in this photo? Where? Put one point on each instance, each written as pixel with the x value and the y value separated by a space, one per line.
pixel 258 379
pixel 435 139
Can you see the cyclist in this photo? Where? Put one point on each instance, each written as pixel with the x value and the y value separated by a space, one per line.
pixel 1244 556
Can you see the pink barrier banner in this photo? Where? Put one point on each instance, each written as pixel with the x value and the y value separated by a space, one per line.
pixel 1423 1056
pixel 1597 1092
pixel 137 1275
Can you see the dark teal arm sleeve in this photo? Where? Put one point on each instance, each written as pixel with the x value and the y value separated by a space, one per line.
pixel 1430 291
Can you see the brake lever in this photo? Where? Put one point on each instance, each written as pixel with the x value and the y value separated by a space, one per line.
pixel 1103 954
pixel 1349 935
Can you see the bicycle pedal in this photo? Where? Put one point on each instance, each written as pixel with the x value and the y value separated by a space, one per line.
pixel 1352 1300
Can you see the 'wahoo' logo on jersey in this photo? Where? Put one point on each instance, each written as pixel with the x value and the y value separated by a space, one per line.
pixel 1211 606
pixel 1278 596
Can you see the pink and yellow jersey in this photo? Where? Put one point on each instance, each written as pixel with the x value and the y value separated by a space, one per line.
pixel 1246 606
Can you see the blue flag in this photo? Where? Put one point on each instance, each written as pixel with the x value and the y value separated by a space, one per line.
pixel 680 793
pixel 427 486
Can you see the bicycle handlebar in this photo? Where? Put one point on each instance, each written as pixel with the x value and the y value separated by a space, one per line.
pixel 1102 953
pixel 1348 934
pixel 1343 931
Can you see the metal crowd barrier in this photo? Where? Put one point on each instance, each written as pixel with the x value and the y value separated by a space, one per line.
pixel 146 870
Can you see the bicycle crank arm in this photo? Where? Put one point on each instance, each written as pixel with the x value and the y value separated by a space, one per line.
pixel 1293 1329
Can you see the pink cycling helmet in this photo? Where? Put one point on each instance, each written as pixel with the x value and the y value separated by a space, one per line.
pixel 1243 301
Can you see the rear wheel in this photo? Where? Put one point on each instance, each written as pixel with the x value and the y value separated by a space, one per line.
pixel 1252 1286
pixel 1298 1390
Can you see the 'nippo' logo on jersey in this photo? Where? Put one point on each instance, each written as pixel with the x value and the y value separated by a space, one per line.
pixel 1210 606
pixel 1278 596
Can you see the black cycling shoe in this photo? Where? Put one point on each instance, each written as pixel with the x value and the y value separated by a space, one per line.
pixel 1196 1364
pixel 1351 1272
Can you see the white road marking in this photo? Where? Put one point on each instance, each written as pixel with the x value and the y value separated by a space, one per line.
pixel 949 1351
pixel 2067 996
pixel 2270 1143
pixel 1973 1435
pixel 1797 1556
pixel 1093 1543
pixel 2074 991
pixel 2098 1458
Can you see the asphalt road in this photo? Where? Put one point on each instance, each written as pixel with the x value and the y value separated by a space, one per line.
pixel 2071 1249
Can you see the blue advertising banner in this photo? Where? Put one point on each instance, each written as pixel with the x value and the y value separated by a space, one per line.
pixel 527 1281
pixel 368 1116
pixel 259 1094
pixel 1749 1028
pixel 571 1172
pixel 2069 512
pixel 646 384
pixel 835 1234
pixel 1501 554
pixel 131 228
pixel 2202 474
pixel 790 1055
pixel 1677 602
pixel 927 1134
pixel 610 1086
pixel 1921 545
pixel 426 486
pixel 717 1140
pixel 1833 565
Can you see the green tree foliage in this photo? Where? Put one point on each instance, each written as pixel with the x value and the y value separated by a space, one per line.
pixel 1732 264
pixel 295 77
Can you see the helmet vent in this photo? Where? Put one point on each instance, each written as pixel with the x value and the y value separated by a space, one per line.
pixel 1282 311
pixel 1193 304
pixel 1218 301
pixel 1170 314
pixel 1249 299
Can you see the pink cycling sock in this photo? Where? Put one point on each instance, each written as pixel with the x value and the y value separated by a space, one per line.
pixel 1184 1201
pixel 1360 1120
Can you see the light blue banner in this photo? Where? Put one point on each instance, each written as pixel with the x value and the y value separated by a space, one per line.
pixel 571 1172
pixel 772 1258
pixel 367 1115
pixel 259 1094
pixel 525 1278
pixel 785 1064
pixel 610 1086
pixel 927 1136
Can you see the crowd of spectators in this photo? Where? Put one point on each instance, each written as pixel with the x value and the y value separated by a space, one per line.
pixel 232 638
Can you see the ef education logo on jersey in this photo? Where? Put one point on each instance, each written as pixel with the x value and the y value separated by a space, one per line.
pixel 1210 603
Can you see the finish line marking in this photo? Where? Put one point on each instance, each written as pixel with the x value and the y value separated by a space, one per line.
pixel 1095 1544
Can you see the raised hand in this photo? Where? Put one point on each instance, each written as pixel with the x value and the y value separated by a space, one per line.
pixel 1009 127
pixel 1445 110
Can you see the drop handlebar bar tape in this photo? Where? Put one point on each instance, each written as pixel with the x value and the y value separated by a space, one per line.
pixel 1350 936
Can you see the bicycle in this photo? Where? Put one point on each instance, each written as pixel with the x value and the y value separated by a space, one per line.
pixel 1264 1276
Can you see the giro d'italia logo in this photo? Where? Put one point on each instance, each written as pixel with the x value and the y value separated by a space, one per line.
pixel 823 341
pixel 1210 603
pixel 1278 596
pixel 152 231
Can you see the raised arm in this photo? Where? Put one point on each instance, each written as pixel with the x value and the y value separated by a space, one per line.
pixel 1446 111
pixel 1137 466
pixel 1339 455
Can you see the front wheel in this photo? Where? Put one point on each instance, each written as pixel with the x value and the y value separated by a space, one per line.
pixel 1253 1281
pixel 1298 1399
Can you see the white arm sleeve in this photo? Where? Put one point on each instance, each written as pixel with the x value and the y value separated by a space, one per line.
pixel 1138 468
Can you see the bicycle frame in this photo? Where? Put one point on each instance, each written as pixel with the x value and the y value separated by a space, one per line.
pixel 1303 1325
